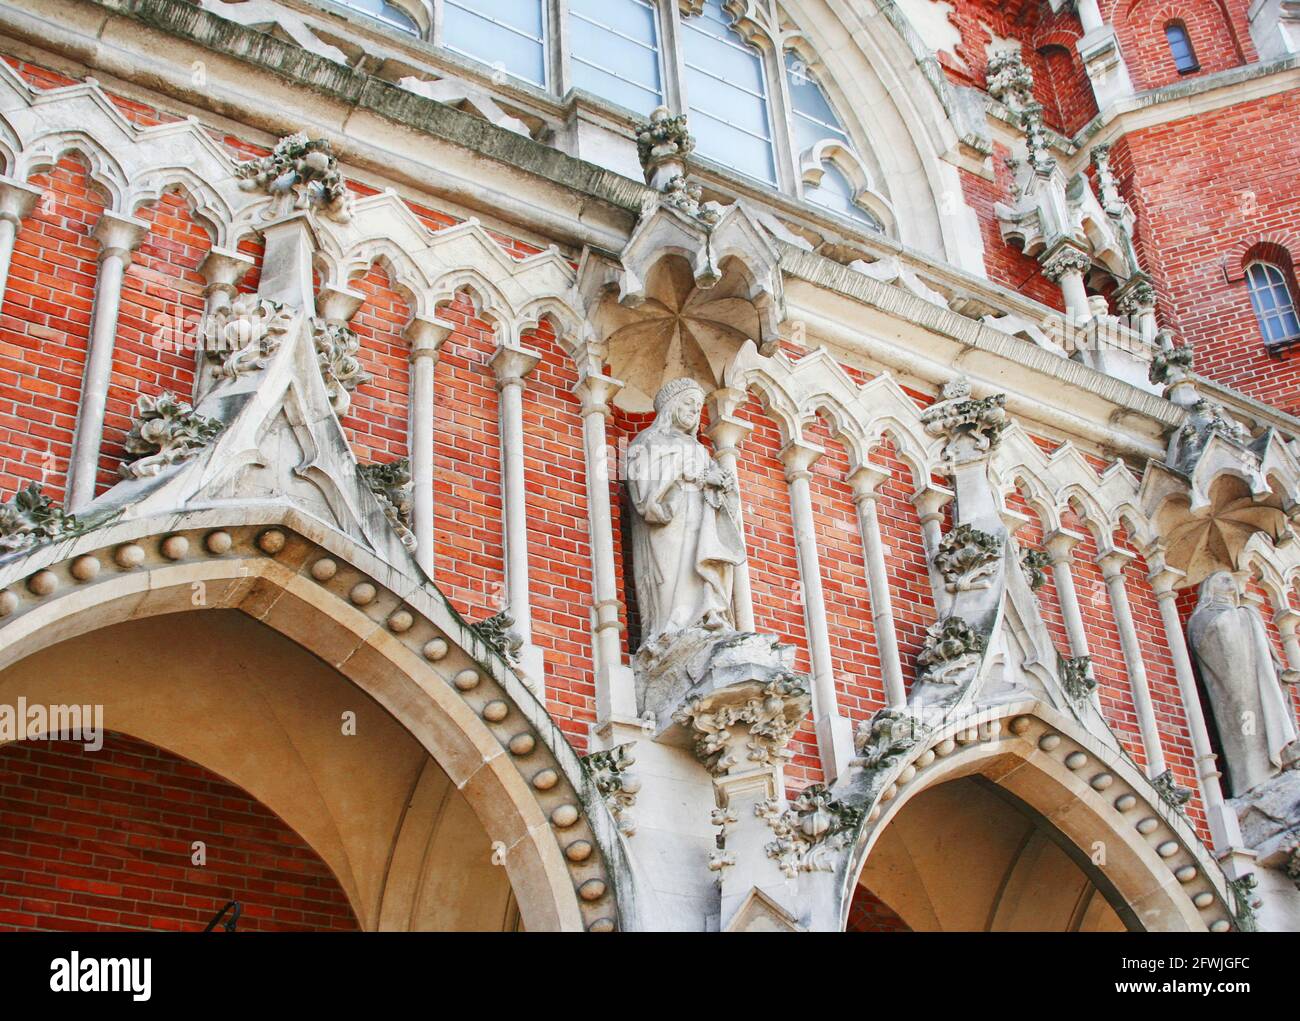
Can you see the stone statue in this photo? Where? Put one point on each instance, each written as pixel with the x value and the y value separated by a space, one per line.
pixel 1242 676
pixel 686 539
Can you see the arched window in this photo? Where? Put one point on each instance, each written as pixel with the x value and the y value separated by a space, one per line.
pixel 726 92
pixel 382 10
pixel 614 46
pixel 755 107
pixel 1180 45
pixel 1274 304
pixel 506 34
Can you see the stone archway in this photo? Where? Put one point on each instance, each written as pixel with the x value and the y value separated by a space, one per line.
pixel 1113 828
pixel 965 856
pixel 394 638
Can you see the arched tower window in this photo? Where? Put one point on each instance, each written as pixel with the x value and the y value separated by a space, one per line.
pixel 506 34
pixel 1274 304
pixel 1180 45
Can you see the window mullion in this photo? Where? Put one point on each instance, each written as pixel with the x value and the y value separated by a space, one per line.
pixel 780 110
pixel 435 28
pixel 673 61
pixel 558 47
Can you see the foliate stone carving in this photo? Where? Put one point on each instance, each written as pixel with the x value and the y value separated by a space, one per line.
pixel 724 819
pixel 971 427
pixel 1139 298
pixel 498 632
pixel 301 173
pixel 30 519
pixel 882 739
pixel 772 711
pixel 663 144
pixel 241 338
pixel 1065 259
pixel 1010 81
pixel 968 558
pixel 1169 790
pixel 391 484
pixel 336 354
pixel 1171 365
pixel 1035 562
pixel 811 832
pixel 952 649
pixel 611 771
pixel 1038 143
pixel 1205 420
pixel 1076 678
pixel 166 431
pixel 1244 902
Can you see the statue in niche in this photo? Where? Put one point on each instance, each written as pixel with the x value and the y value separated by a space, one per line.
pixel 686 538
pixel 1244 680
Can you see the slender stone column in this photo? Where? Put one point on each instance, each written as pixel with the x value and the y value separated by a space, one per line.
pixel 17 200
pixel 866 481
pixel 222 268
pixel 1058 545
pixel 426 337
pixel 1225 831
pixel 615 684
pixel 511 364
pixel 1112 564
pixel 1287 620
pixel 1065 266
pixel 727 433
pixel 930 503
pixel 118 237
pixel 834 736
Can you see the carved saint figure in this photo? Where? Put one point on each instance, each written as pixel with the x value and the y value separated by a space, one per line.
pixel 1242 677
pixel 686 539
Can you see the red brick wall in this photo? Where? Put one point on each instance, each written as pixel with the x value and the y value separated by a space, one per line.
pixel 44 329
pixel 1208 191
pixel 1217 29
pixel 868 913
pixel 104 840
pixel 376 421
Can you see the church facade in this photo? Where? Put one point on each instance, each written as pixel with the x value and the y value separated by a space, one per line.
pixel 696 465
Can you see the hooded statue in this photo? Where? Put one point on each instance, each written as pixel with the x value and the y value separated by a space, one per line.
pixel 1241 675
pixel 686 540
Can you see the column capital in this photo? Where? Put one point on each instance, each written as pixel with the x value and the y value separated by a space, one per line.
pixel 512 364
pixel 1164 579
pixel 799 456
pixel 426 336
pixel 338 304
pixel 1113 561
pixel 1060 543
pixel 224 267
pixel 17 199
pixel 596 390
pixel 118 235
pixel 866 480
pixel 930 502
pixel 727 432
pixel 1287 620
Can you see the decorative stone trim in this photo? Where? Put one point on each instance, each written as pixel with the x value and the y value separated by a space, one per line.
pixel 1065 258
pixel 811 833
pixel 558 793
pixel 882 739
pixel 968 426
pixel 1035 562
pixel 1010 80
pixel 336 354
pixel 952 649
pixel 1077 680
pixel 967 558
pixel 166 431
pixel 498 632
pixel 241 338
pixel 391 483
pixel 29 518
pixel 612 772
pixel 301 173
pixel 773 711
pixel 1174 796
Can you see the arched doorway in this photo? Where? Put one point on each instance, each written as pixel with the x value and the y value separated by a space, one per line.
pixel 294 741
pixel 400 653
pixel 966 856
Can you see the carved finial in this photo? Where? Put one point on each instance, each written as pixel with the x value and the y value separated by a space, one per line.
pixel 30 519
pixel 166 431
pixel 663 144
pixel 300 173
pixel 498 631
pixel 1010 81
pixel 391 484
pixel 952 648
pixel 968 558
pixel 972 428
